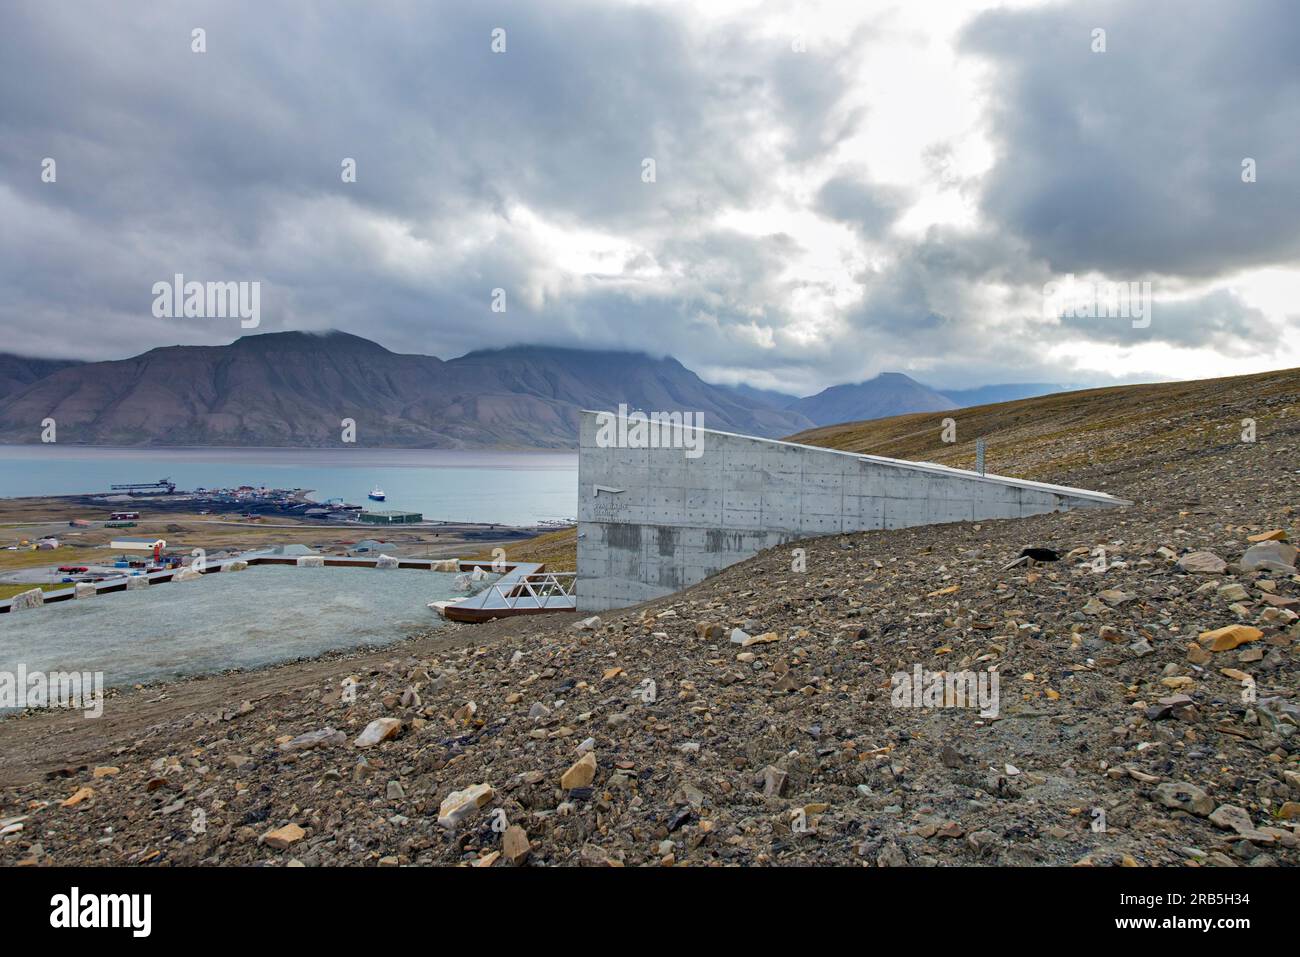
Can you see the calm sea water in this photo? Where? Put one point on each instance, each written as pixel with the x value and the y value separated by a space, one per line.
pixel 510 488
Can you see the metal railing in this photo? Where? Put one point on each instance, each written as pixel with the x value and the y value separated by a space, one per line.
pixel 542 587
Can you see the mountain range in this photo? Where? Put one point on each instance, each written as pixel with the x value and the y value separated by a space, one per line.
pixel 294 389
pixel 892 393
pixel 18 372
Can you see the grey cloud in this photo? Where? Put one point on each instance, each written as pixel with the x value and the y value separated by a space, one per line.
pixel 1129 161
pixel 226 165
pixel 1219 320
pixel 869 208
pixel 175 161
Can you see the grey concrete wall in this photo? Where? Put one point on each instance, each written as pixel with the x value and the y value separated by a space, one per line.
pixel 676 520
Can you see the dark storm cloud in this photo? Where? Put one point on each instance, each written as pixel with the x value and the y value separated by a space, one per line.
pixel 219 165
pixel 475 169
pixel 1129 161
pixel 1219 320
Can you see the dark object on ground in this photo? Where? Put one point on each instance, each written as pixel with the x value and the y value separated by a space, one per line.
pixel 1041 554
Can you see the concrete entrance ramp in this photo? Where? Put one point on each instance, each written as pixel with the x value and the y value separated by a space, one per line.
pixel 653 519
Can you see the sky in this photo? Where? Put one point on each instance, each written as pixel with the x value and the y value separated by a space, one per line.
pixel 788 195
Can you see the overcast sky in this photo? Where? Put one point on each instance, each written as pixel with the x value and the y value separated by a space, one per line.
pixel 840 189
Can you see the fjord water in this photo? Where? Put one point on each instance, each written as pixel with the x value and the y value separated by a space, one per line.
pixel 495 487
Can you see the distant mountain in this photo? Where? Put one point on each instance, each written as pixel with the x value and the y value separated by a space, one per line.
pixel 890 393
pixel 18 372
pixel 602 380
pixel 293 389
pixel 962 398
pixel 988 394
pixel 768 397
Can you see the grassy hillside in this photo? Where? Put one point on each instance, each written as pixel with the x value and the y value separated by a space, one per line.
pixel 558 550
pixel 1070 435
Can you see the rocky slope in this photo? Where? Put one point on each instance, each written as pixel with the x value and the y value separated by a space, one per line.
pixel 1132 728
pixel 1059 437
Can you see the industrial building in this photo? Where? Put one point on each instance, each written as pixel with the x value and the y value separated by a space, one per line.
pixel 391 517
pixel 654 520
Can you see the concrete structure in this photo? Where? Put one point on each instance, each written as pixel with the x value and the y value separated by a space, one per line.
pixel 133 543
pixel 654 520
pixel 391 517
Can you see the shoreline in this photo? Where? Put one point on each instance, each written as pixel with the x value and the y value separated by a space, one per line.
pixel 398 451
pixel 186 503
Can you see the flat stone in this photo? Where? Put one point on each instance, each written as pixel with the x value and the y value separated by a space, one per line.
pixel 515 845
pixel 81 794
pixel 1232 818
pixel 1141 648
pixel 283 837
pixel 1230 636
pixel 459 806
pixel 1114 597
pixel 322 738
pixel 581 774
pixel 1271 557
pixel 381 729
pixel 1182 796
pixel 1202 563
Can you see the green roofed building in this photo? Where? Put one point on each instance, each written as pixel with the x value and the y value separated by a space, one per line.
pixel 391 518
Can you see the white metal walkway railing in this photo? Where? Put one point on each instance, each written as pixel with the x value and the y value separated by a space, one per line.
pixel 538 590
pixel 525 588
